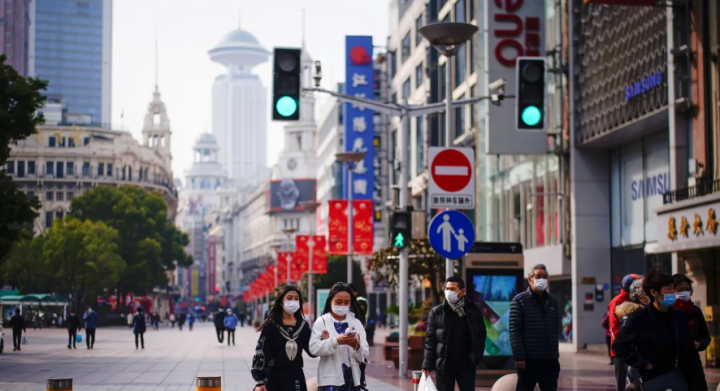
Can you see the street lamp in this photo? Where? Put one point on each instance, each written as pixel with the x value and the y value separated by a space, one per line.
pixel 288 232
pixel 447 39
pixel 311 207
pixel 350 158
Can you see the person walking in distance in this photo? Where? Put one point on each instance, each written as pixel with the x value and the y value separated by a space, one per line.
pixel 73 325
pixel 455 339
pixel 622 297
pixel 91 319
pixel 699 333
pixel 219 321
pixel 139 327
pixel 17 324
pixel 241 318
pixel 173 318
pixel 191 321
pixel 230 322
pixel 534 330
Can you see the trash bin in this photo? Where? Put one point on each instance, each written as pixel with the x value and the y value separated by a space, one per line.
pixel 416 375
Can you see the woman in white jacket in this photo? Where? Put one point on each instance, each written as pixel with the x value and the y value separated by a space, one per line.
pixel 346 348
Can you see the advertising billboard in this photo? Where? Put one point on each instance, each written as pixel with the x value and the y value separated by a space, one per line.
pixel 288 193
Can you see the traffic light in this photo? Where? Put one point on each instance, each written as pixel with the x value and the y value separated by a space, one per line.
pixel 530 94
pixel 286 85
pixel 197 299
pixel 401 229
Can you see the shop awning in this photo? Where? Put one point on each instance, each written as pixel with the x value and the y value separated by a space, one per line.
pixel 33 298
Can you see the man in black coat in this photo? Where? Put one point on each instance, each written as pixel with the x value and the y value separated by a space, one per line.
pixel 534 330
pixel 220 325
pixel 17 323
pixel 73 325
pixel 455 339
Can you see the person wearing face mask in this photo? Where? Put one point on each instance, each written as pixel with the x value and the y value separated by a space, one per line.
pixel 455 339
pixel 622 297
pixel 277 363
pixel 656 339
pixel 699 333
pixel 339 338
pixel 534 330
pixel 638 301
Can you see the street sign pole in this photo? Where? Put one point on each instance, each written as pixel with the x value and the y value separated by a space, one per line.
pixel 403 142
pixel 449 263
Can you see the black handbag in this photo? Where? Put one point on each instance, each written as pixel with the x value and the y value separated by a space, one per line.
pixel 669 381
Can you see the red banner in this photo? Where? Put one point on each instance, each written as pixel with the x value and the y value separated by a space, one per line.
pixel 211 267
pixel 283 267
pixel 302 253
pixel 337 227
pixel 363 227
pixel 319 265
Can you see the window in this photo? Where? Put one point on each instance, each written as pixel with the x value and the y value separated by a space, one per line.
pixel 460 65
pixel 393 97
pixel 460 11
pixel 59 215
pixel 86 141
pixel 10 167
pixel 473 107
pixel 70 168
pixel 418 75
pixel 59 170
pixel 460 120
pixel 51 141
pixel 48 219
pixel 71 142
pixel 109 169
pixel 406 89
pixel 101 169
pixel 70 195
pixel 31 194
pixel 418 26
pixel 31 167
pixel 392 60
pixel 62 141
pixel 471 14
pixel 86 168
pixel 471 55
pixel 442 81
pixel 420 156
pixel 49 168
pixel 406 48
pixel 20 169
pixel 49 195
pixel 60 196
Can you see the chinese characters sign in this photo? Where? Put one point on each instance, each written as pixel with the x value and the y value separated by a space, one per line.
pixel 211 277
pixel 358 121
pixel 362 227
pixel 688 228
pixel 338 227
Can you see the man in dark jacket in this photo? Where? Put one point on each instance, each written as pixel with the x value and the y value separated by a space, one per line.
pixel 91 319
pixel 534 331
pixel 219 320
pixel 653 338
pixel 17 323
pixel 455 339
pixel 73 325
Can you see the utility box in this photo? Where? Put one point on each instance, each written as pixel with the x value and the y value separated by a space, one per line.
pixel 711 354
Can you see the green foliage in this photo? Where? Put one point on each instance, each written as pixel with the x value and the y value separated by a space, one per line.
pixel 17 213
pixel 147 240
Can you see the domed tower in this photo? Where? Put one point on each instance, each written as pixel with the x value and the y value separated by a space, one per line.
pixel 156 128
pixel 239 106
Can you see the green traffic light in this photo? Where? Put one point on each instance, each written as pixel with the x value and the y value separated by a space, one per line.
pixel 399 240
pixel 531 116
pixel 286 106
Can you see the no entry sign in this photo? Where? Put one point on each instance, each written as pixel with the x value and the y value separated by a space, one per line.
pixel 452 178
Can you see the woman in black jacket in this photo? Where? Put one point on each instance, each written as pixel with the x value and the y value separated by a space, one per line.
pixel 699 333
pixel 139 327
pixel 652 339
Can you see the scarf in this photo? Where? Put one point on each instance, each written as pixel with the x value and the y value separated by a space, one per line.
pixel 459 307
pixel 688 307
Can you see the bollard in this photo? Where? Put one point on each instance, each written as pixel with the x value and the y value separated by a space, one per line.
pixel 212 383
pixel 416 375
pixel 59 385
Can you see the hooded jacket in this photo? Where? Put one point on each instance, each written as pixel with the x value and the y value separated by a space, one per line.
pixel 230 321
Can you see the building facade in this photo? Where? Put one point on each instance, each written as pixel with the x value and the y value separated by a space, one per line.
pixel 15 33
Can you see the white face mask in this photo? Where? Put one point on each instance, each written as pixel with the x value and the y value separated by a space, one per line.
pixel 451 297
pixel 291 307
pixel 340 310
pixel 684 295
pixel 541 284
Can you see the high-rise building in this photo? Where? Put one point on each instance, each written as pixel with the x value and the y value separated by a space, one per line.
pixel 70 45
pixel 239 106
pixel 15 33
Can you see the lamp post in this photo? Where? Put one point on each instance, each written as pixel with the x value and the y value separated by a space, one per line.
pixel 447 39
pixel 288 232
pixel 276 247
pixel 311 207
pixel 350 158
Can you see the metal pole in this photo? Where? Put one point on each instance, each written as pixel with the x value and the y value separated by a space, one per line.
pixel 350 209
pixel 288 269
pixel 449 263
pixel 403 142
pixel 310 279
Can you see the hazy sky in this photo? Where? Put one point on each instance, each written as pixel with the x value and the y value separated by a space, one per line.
pixel 187 29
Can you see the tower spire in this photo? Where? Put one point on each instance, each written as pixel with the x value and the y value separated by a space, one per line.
pixel 156 63
pixel 303 28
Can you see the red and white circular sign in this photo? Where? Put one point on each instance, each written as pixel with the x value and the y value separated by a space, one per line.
pixel 451 170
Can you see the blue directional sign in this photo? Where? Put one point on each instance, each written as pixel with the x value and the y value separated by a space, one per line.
pixel 451 234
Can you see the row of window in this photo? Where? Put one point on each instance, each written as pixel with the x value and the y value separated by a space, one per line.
pixel 55 195
pixel 62 142
pixel 21 168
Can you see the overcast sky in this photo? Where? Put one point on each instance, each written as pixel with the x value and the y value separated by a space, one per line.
pixel 187 29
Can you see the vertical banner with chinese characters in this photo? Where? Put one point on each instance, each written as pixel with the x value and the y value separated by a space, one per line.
pixel 358 121
pixel 377 172
pixel 302 252
pixel 337 227
pixel 211 277
pixel 363 226
pixel 319 265
pixel 282 267
pixel 195 277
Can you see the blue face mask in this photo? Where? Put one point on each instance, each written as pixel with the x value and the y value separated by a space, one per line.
pixel 669 300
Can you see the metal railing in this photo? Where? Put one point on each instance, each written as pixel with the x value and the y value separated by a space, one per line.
pixel 703 187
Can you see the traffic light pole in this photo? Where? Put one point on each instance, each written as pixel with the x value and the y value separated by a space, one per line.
pixel 404 265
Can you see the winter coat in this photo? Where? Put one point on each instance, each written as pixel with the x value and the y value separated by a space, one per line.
pixel 622 311
pixel 17 323
pixel 73 322
pixel 437 335
pixel 91 319
pixel 606 324
pixel 534 326
pixel 330 372
pixel 138 323
pixel 614 320
pixel 219 320
pixel 230 321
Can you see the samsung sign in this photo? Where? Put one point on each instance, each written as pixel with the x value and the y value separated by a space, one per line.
pixel 646 84
pixel 650 186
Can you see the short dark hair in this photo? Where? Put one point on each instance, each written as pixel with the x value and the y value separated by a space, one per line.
pixel 655 280
pixel 539 266
pixel 680 278
pixel 352 287
pixel 17 310
pixel 457 280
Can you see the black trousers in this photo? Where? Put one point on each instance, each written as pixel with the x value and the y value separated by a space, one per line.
pixel 220 333
pixel 231 334
pixel 72 337
pixel 541 372
pixel 17 339
pixel 620 374
pixel 609 346
pixel 90 333
pixel 287 379
pixel 242 322
pixel 463 375
pixel 141 338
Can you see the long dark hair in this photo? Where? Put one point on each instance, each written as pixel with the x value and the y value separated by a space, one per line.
pixel 276 312
pixel 354 305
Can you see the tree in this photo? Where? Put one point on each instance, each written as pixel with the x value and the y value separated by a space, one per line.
pixel 147 241
pixel 20 100
pixel 423 263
